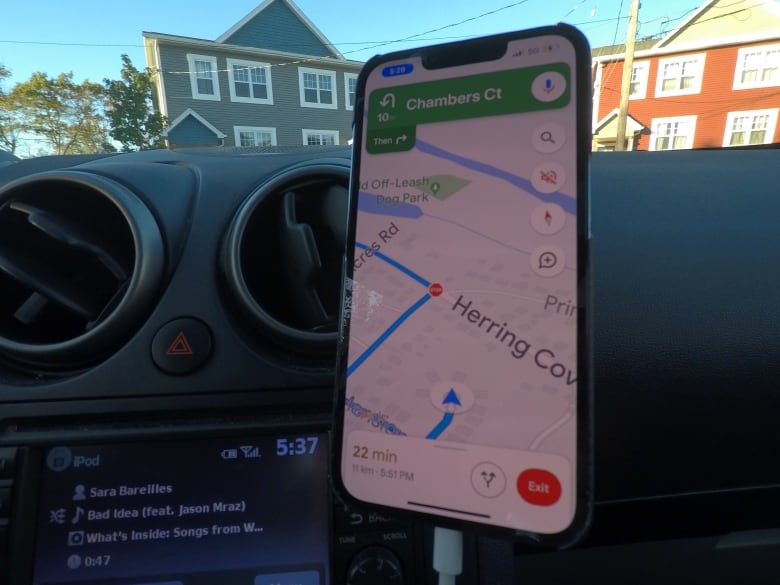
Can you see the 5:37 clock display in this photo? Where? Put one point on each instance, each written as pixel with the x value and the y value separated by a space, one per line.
pixel 293 446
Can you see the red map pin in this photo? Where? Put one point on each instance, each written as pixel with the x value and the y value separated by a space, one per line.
pixel 435 289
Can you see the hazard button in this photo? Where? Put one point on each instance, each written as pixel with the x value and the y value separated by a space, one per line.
pixel 181 346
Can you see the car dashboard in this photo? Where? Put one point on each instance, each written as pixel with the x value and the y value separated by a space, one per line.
pixel 168 325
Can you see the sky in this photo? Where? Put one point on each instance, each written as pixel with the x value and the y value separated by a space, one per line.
pixel 88 37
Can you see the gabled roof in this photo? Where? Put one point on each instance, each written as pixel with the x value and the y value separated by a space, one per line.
pixel 260 17
pixel 607 126
pixel 713 10
pixel 186 114
pixel 762 23
pixel 685 23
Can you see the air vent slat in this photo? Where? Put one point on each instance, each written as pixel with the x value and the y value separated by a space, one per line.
pixel 47 283
pixel 334 211
pixel 301 257
pixel 69 233
pixel 32 309
pixel 284 257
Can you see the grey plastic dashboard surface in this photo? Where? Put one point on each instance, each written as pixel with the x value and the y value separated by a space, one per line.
pixel 685 258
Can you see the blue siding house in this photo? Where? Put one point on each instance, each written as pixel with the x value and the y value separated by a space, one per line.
pixel 272 79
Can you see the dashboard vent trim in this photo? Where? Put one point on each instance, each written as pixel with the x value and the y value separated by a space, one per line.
pixel 283 259
pixel 81 260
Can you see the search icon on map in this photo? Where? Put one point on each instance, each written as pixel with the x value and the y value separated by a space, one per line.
pixel 548 138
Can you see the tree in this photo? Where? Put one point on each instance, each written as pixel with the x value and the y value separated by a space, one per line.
pixel 134 123
pixel 69 116
pixel 11 126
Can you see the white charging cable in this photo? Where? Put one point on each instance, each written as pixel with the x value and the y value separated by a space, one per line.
pixel 447 554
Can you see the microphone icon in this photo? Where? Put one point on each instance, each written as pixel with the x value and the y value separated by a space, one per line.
pixel 548 86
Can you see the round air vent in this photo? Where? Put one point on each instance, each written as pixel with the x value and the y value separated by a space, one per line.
pixel 81 259
pixel 283 259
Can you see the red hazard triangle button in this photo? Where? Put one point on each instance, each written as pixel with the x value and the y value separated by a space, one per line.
pixel 182 346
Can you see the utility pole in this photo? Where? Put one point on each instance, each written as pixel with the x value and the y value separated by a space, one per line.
pixel 625 86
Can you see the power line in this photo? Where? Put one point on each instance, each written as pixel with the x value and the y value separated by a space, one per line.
pixel 454 24
pixel 384 43
pixel 59 44
pixel 614 41
pixel 370 44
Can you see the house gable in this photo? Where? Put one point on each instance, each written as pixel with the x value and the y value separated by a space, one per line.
pixel 278 25
pixel 190 128
pixel 607 126
pixel 720 19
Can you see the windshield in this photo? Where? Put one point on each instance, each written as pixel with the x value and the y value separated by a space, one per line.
pixel 75 79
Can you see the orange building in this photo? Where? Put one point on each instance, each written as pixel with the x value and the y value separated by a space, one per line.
pixel 713 81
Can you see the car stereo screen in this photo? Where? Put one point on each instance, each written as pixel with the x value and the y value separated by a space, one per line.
pixel 231 510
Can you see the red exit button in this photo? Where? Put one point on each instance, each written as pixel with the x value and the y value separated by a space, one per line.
pixel 539 487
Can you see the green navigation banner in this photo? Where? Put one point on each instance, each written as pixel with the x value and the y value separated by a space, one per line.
pixel 475 96
pixel 395 112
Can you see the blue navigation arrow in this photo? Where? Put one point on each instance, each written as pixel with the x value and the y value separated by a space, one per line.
pixel 439 428
pixel 451 398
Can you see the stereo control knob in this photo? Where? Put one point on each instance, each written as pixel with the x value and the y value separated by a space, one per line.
pixel 375 565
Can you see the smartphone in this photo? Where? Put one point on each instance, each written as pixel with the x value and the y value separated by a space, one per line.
pixel 463 388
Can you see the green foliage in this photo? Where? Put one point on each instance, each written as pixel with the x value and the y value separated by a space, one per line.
pixel 81 118
pixel 134 123
pixel 11 127
pixel 67 115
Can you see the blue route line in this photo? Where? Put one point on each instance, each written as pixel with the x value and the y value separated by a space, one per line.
pixel 439 428
pixel 382 338
pixel 369 203
pixel 395 264
pixel 566 202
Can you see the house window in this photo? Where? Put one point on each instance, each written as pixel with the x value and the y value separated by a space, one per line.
pixel 203 77
pixel 250 82
pixel 680 76
pixel 254 136
pixel 318 88
pixel 638 88
pixel 672 133
pixel 757 67
pixel 320 137
pixel 753 127
pixel 350 87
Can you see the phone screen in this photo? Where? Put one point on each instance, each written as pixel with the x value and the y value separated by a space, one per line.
pixel 460 382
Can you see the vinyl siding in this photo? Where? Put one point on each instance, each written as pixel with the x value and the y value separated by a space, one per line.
pixel 279 29
pixel 191 132
pixel 286 113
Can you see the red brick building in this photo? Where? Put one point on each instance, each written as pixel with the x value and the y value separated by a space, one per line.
pixel 713 81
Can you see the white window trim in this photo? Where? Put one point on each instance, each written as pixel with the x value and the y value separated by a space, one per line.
pixel 306 131
pixel 191 58
pixel 655 122
pixel 644 67
pixel 770 125
pixel 659 92
pixel 738 69
pixel 252 64
pixel 347 77
pixel 334 90
pixel 237 130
